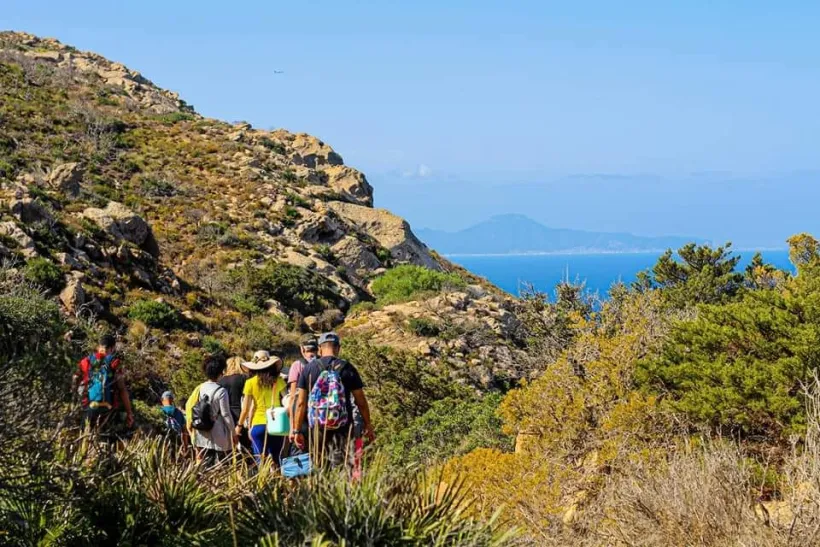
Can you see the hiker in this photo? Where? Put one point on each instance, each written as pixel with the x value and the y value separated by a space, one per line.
pixel 176 429
pixel 100 382
pixel 309 349
pixel 234 381
pixel 262 392
pixel 208 414
pixel 327 388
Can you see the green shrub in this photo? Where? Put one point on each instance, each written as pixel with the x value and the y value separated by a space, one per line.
pixel 451 427
pixel 154 314
pixel 213 346
pixel 421 326
pixel 44 273
pixel 739 367
pixel 384 255
pixel 325 252
pixel 273 145
pixel 174 117
pixel 6 169
pixel 405 282
pixel 297 200
pixel 292 286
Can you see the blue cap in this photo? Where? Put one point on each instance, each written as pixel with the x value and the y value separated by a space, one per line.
pixel 168 394
pixel 329 337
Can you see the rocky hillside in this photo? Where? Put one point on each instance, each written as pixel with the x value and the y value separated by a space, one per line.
pixel 173 228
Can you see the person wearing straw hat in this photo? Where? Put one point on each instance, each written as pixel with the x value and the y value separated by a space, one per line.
pixel 262 392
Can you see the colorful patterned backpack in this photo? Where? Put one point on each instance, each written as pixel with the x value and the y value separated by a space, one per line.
pixel 327 405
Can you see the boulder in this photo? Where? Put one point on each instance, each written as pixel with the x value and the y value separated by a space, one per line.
pixel 389 230
pixel 29 211
pixel 355 256
pixel 121 223
pixel 24 243
pixel 275 309
pixel 73 295
pixel 312 323
pixel 350 184
pixel 318 227
pixel 66 177
pixel 65 259
pixel 311 152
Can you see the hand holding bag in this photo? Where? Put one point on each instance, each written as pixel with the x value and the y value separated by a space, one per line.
pixel 296 465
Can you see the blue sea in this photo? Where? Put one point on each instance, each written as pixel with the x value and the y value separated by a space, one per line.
pixel 598 271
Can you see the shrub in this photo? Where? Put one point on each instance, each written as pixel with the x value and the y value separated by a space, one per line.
pixel 213 346
pixel 292 286
pixel 421 326
pixel 6 169
pixel 384 255
pixel 44 273
pixel 154 314
pixel 405 282
pixel 174 117
pixel 451 427
pixel 325 252
pixel 273 145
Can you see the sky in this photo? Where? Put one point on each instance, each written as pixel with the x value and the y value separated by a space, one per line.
pixel 451 95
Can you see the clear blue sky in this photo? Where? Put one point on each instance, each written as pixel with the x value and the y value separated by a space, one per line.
pixel 501 92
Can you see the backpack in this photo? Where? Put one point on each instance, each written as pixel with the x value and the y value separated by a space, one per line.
pixel 327 405
pixel 172 425
pixel 100 381
pixel 202 415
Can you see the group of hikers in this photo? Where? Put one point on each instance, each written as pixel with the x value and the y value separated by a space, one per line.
pixel 312 413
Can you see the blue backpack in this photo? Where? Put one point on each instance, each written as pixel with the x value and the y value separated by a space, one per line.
pixel 100 382
pixel 173 420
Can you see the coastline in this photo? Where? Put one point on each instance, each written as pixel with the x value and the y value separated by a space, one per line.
pixel 591 252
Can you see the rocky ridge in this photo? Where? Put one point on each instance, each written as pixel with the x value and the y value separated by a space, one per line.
pixel 135 196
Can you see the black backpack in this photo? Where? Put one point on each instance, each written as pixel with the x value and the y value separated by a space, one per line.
pixel 202 417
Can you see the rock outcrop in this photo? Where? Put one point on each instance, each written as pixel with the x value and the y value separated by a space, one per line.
pixel 29 211
pixel 390 231
pixel 135 86
pixel 121 223
pixel 73 296
pixel 66 177
pixel 23 243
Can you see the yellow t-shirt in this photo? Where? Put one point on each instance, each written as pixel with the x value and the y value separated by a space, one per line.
pixel 264 397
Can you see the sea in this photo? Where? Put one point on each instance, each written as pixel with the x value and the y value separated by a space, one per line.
pixel 597 271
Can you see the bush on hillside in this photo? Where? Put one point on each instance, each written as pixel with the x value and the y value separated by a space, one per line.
pixel 739 367
pixel 451 427
pixel 45 274
pixel 421 326
pixel 154 313
pixel 405 282
pixel 294 287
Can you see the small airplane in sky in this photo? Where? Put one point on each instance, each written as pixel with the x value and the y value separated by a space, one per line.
pixel 278 71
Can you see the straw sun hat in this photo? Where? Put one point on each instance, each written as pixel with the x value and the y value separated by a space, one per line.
pixel 262 360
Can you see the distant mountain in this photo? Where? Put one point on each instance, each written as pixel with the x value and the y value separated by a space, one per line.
pixel 518 234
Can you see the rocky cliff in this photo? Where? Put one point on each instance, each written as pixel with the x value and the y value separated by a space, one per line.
pixel 136 197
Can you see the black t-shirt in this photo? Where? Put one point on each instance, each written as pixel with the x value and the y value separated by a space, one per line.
pixel 235 386
pixel 348 374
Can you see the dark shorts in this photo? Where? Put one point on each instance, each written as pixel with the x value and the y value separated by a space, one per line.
pixel 105 422
pixel 332 448
pixel 211 457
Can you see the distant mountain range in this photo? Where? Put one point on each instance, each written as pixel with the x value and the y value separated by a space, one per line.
pixel 518 234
